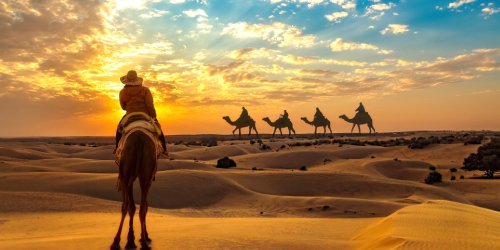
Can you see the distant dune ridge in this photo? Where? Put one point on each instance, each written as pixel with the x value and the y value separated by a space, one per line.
pixel 349 197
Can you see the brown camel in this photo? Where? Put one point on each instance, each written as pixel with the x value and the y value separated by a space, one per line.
pixel 138 160
pixel 324 122
pixel 360 118
pixel 242 123
pixel 279 124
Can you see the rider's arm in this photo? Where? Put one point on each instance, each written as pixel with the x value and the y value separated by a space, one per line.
pixel 123 102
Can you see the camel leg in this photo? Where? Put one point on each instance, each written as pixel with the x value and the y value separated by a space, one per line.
pixel 131 213
pixel 371 125
pixel 116 242
pixel 281 132
pixel 143 210
pixel 274 132
pixel 315 130
pixel 234 130
pixel 324 131
pixel 256 133
pixel 330 128
pixel 239 133
pixel 359 129
pixel 353 125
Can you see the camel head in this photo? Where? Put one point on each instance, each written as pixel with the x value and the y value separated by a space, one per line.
pixel 306 120
pixel 226 118
pixel 265 119
pixel 343 117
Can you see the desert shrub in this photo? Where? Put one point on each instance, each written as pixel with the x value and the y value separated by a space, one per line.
pixel 462 177
pixel 418 143
pixel 303 168
pixel 453 178
pixel 453 170
pixel 432 168
pixel 474 140
pixel 486 159
pixel 226 162
pixel 433 177
pixel 209 141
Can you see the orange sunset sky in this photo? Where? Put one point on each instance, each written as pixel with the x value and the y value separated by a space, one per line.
pixel 416 65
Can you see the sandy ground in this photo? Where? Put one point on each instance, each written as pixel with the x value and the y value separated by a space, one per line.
pixel 62 196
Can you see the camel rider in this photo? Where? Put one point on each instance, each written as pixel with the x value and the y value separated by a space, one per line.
pixel 361 108
pixel 136 98
pixel 284 115
pixel 318 114
pixel 244 114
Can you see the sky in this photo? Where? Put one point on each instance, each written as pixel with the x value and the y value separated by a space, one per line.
pixel 415 65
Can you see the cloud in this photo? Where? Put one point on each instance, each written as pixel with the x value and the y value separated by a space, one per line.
pixel 202 24
pixel 456 4
pixel 336 16
pixel 490 10
pixel 277 56
pixel 283 35
pixel 310 3
pixel 377 10
pixel 395 29
pixel 342 45
pixel 153 13
pixel 195 13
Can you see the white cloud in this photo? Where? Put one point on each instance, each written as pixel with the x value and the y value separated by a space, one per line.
pixel 195 13
pixel 345 4
pixel 153 13
pixel 176 1
pixel 381 6
pixel 395 29
pixel 376 11
pixel 489 11
pixel 456 4
pixel 283 35
pixel 342 45
pixel 336 16
pixel 202 24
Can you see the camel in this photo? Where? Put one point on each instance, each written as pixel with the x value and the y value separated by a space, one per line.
pixel 360 118
pixel 280 123
pixel 242 123
pixel 319 123
pixel 138 160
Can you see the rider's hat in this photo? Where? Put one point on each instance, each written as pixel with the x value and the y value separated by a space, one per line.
pixel 131 78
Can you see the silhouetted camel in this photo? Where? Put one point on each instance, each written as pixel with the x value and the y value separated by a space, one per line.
pixel 359 118
pixel 280 123
pixel 242 123
pixel 319 123
pixel 138 160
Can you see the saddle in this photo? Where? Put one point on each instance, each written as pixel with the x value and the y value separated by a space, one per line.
pixel 139 119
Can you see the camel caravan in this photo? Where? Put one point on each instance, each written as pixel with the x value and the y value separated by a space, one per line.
pixel 319 120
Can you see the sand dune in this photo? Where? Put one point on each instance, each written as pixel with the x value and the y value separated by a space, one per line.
pixel 349 197
pixel 435 225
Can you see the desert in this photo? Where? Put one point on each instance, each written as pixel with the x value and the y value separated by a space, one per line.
pixel 61 192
